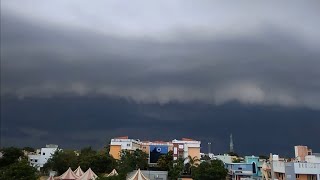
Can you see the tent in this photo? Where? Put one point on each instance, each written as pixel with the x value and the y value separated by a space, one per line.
pixel 78 171
pixel 88 175
pixel 51 178
pixel 113 173
pixel 138 176
pixel 68 175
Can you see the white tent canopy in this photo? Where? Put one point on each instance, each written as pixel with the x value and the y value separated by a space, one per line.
pixel 138 176
pixel 51 178
pixel 113 173
pixel 78 171
pixel 68 175
pixel 88 175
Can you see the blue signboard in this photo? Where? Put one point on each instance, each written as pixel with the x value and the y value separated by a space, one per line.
pixel 156 151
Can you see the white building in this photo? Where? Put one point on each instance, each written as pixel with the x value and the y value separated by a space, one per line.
pixel 306 166
pixel 41 156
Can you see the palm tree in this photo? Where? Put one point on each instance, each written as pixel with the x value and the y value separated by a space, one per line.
pixel 193 162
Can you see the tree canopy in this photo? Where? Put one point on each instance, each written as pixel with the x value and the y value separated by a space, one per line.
pixel 210 170
pixel 14 165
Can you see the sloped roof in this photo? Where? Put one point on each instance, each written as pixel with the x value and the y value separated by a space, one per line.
pixel 113 173
pixel 78 171
pixel 138 176
pixel 88 175
pixel 68 175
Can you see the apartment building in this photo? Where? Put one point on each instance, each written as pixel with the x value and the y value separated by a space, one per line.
pixel 305 166
pixel 181 148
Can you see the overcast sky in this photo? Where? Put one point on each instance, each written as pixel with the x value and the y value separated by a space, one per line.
pixel 255 53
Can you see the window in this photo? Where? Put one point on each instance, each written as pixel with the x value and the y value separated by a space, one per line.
pixel 43 153
pixel 36 160
pixel 128 144
pixel 297 176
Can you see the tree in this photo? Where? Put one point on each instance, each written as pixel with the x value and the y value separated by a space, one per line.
pixel 205 158
pixel 20 170
pixel 103 163
pixel 176 169
pixel 233 154
pixel 10 155
pixel 131 160
pixel 60 161
pixel 28 149
pixel 192 162
pixel 210 170
pixel 165 161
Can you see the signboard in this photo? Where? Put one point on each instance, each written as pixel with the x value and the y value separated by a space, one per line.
pixel 156 151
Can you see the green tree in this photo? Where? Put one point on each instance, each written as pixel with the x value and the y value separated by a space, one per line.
pixel 131 160
pixel 20 170
pixel 60 161
pixel 176 169
pixel 165 161
pixel 205 158
pixel 29 149
pixel 233 154
pixel 10 156
pixel 86 158
pixel 192 162
pixel 103 163
pixel 210 170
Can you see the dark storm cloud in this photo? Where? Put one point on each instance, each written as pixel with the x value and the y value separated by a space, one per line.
pixel 273 68
pixel 175 63
pixel 75 122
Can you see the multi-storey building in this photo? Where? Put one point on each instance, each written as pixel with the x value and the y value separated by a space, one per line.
pixel 305 166
pixel 181 148
pixel 40 157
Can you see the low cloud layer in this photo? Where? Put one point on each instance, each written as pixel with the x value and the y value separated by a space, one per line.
pixel 169 52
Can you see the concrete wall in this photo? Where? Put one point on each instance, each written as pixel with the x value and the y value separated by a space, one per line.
pixel 115 151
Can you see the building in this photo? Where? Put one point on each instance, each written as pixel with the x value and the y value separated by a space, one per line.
pixel 249 169
pixel 123 143
pixel 305 166
pixel 181 148
pixel 301 152
pixel 186 147
pixel 40 157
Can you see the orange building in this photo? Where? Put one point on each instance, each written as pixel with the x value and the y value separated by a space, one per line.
pixel 181 148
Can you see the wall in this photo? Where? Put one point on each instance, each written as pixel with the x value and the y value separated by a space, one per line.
pixel 115 151
pixel 194 152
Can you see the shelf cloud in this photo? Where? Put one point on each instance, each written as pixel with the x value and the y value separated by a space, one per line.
pixel 159 52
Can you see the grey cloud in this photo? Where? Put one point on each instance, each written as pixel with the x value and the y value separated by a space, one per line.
pixel 272 63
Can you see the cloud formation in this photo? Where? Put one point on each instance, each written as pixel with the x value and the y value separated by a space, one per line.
pixel 254 53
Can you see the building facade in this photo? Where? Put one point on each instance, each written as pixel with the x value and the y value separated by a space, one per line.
pixel 40 157
pixel 305 166
pixel 181 148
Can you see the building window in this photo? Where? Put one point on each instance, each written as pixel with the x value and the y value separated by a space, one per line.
pixel 128 144
pixel 43 153
pixel 297 176
pixel 36 160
